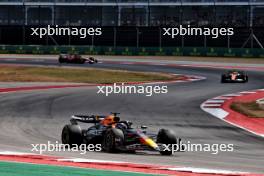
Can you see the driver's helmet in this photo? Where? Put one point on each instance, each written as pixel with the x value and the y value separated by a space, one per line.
pixel 121 126
pixel 109 120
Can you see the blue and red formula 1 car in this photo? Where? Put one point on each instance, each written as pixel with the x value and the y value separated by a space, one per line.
pixel 115 135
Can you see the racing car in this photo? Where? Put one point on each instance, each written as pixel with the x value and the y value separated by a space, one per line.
pixel 234 76
pixel 115 135
pixel 76 59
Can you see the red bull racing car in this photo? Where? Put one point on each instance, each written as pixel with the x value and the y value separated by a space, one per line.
pixel 234 76
pixel 76 59
pixel 115 135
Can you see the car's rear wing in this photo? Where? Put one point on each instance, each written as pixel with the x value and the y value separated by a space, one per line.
pixel 86 118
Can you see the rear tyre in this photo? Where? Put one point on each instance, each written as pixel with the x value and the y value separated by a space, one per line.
pixel 72 135
pixel 246 79
pixel 60 60
pixel 82 61
pixel 223 79
pixel 113 139
pixel 166 137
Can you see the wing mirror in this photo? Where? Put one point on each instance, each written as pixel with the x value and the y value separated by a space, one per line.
pixel 143 127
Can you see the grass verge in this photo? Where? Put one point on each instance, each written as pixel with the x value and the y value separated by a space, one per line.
pixel 74 75
pixel 24 169
pixel 250 109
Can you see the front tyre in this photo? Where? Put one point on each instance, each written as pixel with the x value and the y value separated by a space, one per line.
pixel 72 135
pixel 223 79
pixel 166 137
pixel 113 139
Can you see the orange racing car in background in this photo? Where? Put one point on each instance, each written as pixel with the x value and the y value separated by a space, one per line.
pixel 234 76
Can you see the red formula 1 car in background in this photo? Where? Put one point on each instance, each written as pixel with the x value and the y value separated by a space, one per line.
pixel 76 59
pixel 234 76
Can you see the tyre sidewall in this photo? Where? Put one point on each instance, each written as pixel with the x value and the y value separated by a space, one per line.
pixel 166 137
pixel 112 140
pixel 72 135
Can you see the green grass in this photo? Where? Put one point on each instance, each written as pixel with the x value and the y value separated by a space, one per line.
pixel 250 109
pixel 44 74
pixel 24 169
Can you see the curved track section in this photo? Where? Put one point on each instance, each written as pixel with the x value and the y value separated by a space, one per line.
pixel 38 116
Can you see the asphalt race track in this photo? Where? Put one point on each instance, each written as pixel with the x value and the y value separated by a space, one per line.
pixel 38 116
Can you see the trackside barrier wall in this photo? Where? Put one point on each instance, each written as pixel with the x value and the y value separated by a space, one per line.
pixel 142 51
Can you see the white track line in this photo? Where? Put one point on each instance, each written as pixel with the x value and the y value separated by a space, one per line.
pixel 15 153
pixel 207 171
pixel 84 160
pixel 215 101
